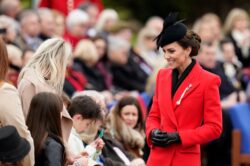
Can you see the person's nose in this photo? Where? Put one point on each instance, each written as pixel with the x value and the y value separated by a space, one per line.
pixel 166 55
pixel 130 117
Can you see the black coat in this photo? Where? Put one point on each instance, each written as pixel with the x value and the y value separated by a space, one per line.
pixel 226 87
pixel 95 80
pixel 52 154
pixel 130 76
pixel 110 156
pixel 244 60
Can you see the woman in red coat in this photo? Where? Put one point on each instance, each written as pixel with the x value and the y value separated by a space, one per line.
pixel 186 110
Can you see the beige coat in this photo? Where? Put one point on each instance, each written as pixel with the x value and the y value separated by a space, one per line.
pixel 11 114
pixel 30 85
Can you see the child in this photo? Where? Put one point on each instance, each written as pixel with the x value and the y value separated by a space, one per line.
pixel 83 111
pixel 44 123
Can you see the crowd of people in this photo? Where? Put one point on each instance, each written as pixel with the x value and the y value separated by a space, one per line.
pixel 76 90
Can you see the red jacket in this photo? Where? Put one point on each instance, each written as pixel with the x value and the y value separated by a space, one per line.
pixel 62 5
pixel 197 116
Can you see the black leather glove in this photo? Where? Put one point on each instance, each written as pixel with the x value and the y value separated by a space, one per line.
pixel 162 138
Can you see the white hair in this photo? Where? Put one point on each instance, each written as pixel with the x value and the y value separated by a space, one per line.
pixel 9 22
pixel 50 60
pixel 76 17
pixel 104 16
pixel 153 19
pixel 44 12
pixel 116 44
pixel 91 93
pixel 24 16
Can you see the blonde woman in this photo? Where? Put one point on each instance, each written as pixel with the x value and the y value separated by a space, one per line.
pixel 86 58
pixel 146 48
pixel 45 72
pixel 237 29
pixel 107 18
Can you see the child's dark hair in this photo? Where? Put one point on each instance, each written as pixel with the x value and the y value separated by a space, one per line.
pixel 86 107
pixel 44 119
pixel 225 41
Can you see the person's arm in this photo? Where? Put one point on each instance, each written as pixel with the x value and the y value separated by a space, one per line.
pixel 154 117
pixel 11 114
pixel 26 93
pixel 53 153
pixel 212 127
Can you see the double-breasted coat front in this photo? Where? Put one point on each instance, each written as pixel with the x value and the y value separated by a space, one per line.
pixel 194 112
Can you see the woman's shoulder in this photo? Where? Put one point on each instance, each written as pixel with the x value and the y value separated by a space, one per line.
pixel 6 87
pixel 51 144
pixel 164 71
pixel 209 77
pixel 7 92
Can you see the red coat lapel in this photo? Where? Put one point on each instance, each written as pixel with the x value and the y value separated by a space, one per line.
pixel 167 105
pixel 190 83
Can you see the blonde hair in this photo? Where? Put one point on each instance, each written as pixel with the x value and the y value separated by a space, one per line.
pixel 104 16
pixel 14 54
pixel 232 16
pixel 145 32
pixel 76 17
pixel 86 51
pixel 50 60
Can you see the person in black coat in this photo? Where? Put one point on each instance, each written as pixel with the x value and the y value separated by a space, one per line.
pixel 86 58
pixel 125 67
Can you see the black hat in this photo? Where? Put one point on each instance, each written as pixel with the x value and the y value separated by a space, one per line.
pixel 12 147
pixel 172 31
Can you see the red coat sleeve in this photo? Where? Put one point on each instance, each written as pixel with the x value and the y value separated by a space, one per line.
pixel 212 127
pixel 154 117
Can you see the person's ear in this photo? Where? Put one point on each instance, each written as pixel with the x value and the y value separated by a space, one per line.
pixel 77 117
pixel 188 51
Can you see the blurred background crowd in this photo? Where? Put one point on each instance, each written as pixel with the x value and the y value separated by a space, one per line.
pixel 115 60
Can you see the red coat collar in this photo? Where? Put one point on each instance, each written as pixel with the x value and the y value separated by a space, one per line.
pixel 191 80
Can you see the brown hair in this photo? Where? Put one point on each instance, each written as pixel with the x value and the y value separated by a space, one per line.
pixel 44 119
pixel 131 138
pixel 191 39
pixel 86 107
pixel 131 101
pixel 4 62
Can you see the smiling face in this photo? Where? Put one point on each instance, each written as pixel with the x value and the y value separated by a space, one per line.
pixel 176 56
pixel 129 114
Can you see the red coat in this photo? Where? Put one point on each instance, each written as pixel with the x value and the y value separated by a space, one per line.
pixel 62 5
pixel 197 118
